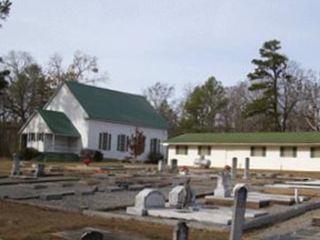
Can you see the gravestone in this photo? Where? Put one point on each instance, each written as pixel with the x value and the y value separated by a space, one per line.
pixel 146 199
pixel 174 164
pixel 160 165
pixel 246 174
pixel 15 170
pixel 39 170
pixel 296 196
pixel 181 231
pixel 202 162
pixel 239 209
pixel 92 235
pixel 224 185
pixel 234 169
pixel 182 196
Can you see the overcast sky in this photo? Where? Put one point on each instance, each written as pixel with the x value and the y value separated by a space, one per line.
pixel 140 42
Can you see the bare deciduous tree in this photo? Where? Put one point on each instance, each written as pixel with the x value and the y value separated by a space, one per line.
pixel 84 68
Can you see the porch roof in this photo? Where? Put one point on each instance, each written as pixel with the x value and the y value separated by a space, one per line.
pixel 59 123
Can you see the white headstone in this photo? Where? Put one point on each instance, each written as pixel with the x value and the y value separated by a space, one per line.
pixel 146 199
pixel 224 185
pixel 178 197
pixel 160 165
pixel 202 162
pixel 15 170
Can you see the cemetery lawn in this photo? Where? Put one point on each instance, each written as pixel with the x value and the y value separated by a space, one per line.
pixel 5 166
pixel 25 222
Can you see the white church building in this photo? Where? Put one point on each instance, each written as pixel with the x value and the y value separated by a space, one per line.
pixel 267 150
pixel 80 116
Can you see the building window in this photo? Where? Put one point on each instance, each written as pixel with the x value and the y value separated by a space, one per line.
pixel 123 143
pixel 315 152
pixel 257 151
pixel 155 145
pixel 104 141
pixel 31 137
pixel 181 150
pixel 204 150
pixel 288 152
pixel 40 137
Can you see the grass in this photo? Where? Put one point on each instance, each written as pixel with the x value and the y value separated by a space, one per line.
pixel 23 222
pixel 5 165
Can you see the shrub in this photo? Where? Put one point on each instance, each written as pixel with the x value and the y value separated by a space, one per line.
pixel 95 155
pixel 29 153
pixel 154 157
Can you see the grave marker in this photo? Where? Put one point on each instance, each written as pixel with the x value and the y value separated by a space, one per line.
pixel 224 184
pixel 239 209
pixel 160 165
pixel 181 231
pixel 92 235
pixel 146 199
pixel 246 174
pixel 174 164
pixel 296 196
pixel 39 171
pixel 234 169
pixel 182 196
pixel 15 170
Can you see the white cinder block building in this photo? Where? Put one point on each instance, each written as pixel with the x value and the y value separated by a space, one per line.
pixel 269 151
pixel 81 116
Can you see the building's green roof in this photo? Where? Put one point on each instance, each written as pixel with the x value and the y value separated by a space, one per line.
pixel 248 138
pixel 108 105
pixel 59 123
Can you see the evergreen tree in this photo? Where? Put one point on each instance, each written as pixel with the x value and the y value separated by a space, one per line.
pixel 270 72
pixel 203 106
pixel 4 9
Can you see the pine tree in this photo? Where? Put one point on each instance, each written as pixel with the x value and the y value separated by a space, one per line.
pixel 270 70
pixel 203 106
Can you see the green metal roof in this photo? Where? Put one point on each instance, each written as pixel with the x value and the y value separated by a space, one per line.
pixel 59 123
pixel 108 105
pixel 250 138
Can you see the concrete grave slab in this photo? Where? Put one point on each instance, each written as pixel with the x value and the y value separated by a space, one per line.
pixel 276 198
pixel 39 186
pixel 288 189
pixel 51 196
pixel 109 189
pixel 252 202
pixel 279 185
pixel 136 187
pixel 22 196
pixel 67 184
pixel 219 215
pixel 304 183
pixel 86 191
